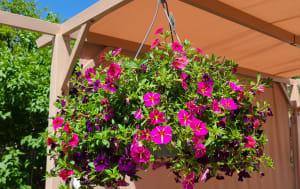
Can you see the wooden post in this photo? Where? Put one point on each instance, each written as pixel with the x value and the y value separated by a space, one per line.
pixel 60 57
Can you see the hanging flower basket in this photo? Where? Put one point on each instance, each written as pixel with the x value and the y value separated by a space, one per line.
pixel 117 119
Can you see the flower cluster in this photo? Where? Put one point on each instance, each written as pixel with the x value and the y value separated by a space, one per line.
pixel 123 117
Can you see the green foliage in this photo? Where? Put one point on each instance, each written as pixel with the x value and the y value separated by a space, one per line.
pixel 24 91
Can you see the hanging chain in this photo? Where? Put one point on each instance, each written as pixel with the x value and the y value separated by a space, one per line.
pixel 171 21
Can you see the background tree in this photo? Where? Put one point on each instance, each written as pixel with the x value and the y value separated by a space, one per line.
pixel 24 94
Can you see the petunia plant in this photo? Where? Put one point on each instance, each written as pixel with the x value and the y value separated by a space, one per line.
pixel 175 106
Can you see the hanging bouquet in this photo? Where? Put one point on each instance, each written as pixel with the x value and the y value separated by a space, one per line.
pixel 175 106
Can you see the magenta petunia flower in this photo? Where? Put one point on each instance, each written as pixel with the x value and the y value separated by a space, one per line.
pixel 204 89
pixel 114 71
pixel 184 79
pixel 180 63
pixel 154 43
pixel 64 174
pixel 57 122
pixel 140 154
pixel 193 108
pixel 229 104
pixel 199 127
pixel 250 142
pixel 104 102
pixel 110 85
pixel 185 118
pixel 50 141
pixel 159 31
pixel 116 52
pixel 89 73
pixel 188 182
pixel 255 124
pixel 67 128
pixel 235 87
pixel 108 113
pixel 215 106
pixel 102 57
pixel 145 135
pixel 151 99
pixel 73 141
pixel 161 135
pixel 197 140
pixel 177 47
pixel 156 117
pixel 200 151
pixel 200 51
pixel 138 114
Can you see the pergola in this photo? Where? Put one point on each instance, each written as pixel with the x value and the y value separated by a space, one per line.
pixel 262 36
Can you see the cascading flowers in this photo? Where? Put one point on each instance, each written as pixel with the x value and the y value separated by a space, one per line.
pixel 117 119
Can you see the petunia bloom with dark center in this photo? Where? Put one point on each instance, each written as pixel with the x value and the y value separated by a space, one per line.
pixel 101 163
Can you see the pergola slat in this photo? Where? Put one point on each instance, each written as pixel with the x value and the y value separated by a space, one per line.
pixel 28 23
pixel 93 13
pixel 245 19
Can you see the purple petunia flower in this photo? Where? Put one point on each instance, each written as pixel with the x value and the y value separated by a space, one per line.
pixel 207 79
pixel 101 163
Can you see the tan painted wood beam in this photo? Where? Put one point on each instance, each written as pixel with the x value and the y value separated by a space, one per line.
pixel 245 19
pixel 28 23
pixel 91 14
pixel 75 53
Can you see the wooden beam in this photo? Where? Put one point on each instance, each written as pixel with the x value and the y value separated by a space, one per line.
pixel 28 23
pixel 91 14
pixel 245 19
pixel 75 52
pixel 60 55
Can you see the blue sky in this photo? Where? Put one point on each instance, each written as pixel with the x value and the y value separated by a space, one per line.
pixel 66 8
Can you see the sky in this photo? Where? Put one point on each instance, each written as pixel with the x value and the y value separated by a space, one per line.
pixel 66 8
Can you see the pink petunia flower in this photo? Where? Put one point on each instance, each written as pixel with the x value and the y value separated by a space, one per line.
pixel 177 47
pixel 102 57
pixel 116 52
pixel 215 106
pixel 57 122
pixel 114 71
pixel 204 176
pixel 229 104
pixel 104 102
pixel 188 182
pixel 261 89
pixel 184 79
pixel 161 135
pixel 138 114
pixel 197 140
pixel 140 154
pixel 64 174
pixel 199 127
pixel 204 89
pixel 185 118
pixel 156 117
pixel 67 128
pixel 200 51
pixel 89 74
pixel 250 142
pixel 146 135
pixel 50 141
pixel 193 108
pixel 108 113
pixel 200 151
pixel 180 63
pixel 255 124
pixel 154 43
pixel 159 31
pixel 235 87
pixel 151 99
pixel 73 141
